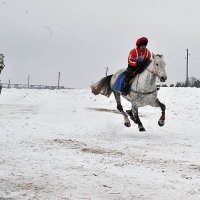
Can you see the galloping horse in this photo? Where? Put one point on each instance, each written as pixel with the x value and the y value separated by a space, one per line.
pixel 143 91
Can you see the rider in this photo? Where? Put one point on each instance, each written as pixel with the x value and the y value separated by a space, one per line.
pixel 138 59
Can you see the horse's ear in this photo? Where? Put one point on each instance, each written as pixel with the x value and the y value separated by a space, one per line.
pixel 153 55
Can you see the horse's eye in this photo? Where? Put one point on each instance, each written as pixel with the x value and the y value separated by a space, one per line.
pixel 156 64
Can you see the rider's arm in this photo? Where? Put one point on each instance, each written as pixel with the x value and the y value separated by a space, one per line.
pixel 132 58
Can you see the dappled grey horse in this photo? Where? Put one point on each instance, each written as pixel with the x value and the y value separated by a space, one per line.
pixel 143 91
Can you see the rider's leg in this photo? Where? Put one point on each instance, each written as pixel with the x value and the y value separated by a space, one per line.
pixel 129 74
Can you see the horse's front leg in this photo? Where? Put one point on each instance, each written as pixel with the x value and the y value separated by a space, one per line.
pixel 135 117
pixel 161 121
pixel 127 122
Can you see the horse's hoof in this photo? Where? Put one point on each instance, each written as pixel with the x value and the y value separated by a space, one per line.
pixel 142 129
pixel 127 124
pixel 161 122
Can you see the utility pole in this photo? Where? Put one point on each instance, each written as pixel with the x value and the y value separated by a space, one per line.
pixel 187 78
pixel 28 81
pixel 107 71
pixel 9 83
pixel 58 80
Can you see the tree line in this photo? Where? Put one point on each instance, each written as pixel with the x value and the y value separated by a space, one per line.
pixel 192 82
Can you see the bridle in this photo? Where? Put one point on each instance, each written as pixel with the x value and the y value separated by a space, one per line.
pixel 153 72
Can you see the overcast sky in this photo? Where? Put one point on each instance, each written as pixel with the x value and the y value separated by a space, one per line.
pixel 80 38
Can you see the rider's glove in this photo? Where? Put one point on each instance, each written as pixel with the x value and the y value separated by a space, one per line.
pixel 140 59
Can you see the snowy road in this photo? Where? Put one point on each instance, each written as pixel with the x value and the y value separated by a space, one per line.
pixel 69 144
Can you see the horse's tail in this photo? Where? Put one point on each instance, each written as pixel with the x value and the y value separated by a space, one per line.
pixel 102 86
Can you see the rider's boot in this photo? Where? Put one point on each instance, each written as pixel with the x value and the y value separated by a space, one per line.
pixel 125 86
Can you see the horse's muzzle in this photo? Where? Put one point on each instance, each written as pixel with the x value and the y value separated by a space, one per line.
pixel 163 79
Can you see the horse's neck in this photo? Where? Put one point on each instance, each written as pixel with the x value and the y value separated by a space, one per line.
pixel 145 81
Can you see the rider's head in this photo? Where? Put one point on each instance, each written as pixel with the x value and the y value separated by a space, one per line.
pixel 142 43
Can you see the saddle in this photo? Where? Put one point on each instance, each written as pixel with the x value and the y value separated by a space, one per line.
pixel 119 82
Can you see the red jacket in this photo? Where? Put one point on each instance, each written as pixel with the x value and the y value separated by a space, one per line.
pixel 135 53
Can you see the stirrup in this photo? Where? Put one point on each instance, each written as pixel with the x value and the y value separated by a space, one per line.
pixel 124 91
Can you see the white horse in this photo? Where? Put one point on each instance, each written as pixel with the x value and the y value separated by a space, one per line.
pixel 143 91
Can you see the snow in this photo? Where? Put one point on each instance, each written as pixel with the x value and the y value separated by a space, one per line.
pixel 70 144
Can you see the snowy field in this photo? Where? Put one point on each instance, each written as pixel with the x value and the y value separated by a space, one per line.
pixel 71 145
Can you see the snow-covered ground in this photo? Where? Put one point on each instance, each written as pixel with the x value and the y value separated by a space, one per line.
pixel 70 144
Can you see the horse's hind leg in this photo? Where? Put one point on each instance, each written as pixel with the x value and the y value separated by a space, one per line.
pixel 135 117
pixel 161 121
pixel 120 108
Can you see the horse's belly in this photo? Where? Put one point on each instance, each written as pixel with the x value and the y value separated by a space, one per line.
pixel 144 100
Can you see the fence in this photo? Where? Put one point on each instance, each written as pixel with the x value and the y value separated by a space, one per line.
pixel 25 86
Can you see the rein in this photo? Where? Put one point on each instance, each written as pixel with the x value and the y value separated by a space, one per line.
pixel 155 74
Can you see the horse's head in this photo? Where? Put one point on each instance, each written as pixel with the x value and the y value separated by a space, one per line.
pixel 159 67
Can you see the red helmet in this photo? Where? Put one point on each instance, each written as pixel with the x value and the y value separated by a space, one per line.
pixel 141 41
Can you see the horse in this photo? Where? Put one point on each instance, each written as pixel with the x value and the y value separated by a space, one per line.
pixel 143 91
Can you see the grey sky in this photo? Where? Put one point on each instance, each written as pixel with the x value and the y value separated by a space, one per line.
pixel 80 38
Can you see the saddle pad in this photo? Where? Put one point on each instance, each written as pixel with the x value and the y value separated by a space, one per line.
pixel 118 83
